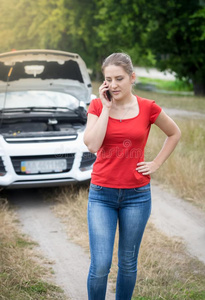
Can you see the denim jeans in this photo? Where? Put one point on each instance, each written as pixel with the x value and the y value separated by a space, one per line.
pixel 107 206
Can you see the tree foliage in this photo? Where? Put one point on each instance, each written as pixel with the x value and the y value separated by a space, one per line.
pixel 122 27
pixel 177 38
pixel 169 32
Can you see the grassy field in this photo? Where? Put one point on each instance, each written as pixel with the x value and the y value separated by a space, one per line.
pixel 184 171
pixel 22 274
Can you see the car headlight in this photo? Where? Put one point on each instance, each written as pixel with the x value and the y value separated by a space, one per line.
pixel 2 167
pixel 87 161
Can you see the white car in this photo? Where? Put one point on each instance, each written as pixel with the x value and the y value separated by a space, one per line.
pixel 43 97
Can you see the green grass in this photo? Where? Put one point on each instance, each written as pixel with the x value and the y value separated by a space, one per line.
pixel 38 290
pixel 22 242
pixel 168 85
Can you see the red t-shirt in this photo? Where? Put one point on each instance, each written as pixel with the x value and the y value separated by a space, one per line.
pixel 123 147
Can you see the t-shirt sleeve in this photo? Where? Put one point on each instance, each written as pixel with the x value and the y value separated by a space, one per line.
pixel 154 112
pixel 95 107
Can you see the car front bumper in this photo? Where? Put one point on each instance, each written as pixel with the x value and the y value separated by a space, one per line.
pixel 79 171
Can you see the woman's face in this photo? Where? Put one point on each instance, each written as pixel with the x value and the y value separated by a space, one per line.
pixel 120 83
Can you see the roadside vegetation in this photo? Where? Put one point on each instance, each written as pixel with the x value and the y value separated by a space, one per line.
pixel 23 275
pixel 184 171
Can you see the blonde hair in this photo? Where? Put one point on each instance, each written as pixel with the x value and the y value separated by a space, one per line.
pixel 119 59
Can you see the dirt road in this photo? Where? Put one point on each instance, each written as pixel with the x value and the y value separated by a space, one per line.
pixel 178 218
pixel 183 113
pixel 153 73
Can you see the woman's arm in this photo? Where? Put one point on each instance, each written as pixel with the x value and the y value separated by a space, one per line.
pixel 96 129
pixel 170 128
pixel 97 126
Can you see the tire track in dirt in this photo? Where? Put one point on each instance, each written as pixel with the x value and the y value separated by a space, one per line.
pixel 178 218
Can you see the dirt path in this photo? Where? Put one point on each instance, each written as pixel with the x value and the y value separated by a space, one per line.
pixel 178 218
pixel 172 112
pixel 153 73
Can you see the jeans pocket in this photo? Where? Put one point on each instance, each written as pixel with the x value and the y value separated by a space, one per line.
pixel 143 189
pixel 95 187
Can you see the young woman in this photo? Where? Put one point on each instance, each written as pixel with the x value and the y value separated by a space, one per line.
pixel 117 129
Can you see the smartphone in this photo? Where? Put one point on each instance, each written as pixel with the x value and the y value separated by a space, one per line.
pixel 108 95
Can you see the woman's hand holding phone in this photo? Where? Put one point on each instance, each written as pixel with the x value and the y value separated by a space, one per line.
pixel 108 95
pixel 105 95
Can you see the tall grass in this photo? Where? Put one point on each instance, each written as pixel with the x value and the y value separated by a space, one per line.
pixel 184 171
pixel 21 275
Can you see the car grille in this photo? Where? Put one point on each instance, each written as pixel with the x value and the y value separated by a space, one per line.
pixel 16 161
pixel 39 137
pixel 88 159
pixel 2 167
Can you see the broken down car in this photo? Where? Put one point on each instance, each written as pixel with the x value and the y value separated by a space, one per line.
pixel 43 97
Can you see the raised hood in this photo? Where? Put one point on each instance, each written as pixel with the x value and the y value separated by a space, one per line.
pixel 45 70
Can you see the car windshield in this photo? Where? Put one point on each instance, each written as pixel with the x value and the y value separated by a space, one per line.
pixel 23 99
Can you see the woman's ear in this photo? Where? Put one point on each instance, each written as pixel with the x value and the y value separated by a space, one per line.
pixel 133 77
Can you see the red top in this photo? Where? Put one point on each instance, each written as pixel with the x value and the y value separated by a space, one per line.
pixel 123 147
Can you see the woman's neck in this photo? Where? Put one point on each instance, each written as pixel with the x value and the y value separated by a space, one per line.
pixel 124 102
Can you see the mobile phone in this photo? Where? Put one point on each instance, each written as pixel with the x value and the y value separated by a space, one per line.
pixel 108 95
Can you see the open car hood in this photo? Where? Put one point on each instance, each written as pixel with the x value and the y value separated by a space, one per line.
pixel 48 70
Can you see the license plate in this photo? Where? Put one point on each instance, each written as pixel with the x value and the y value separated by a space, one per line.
pixel 43 166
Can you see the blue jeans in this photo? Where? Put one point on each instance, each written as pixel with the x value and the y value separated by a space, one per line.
pixel 107 206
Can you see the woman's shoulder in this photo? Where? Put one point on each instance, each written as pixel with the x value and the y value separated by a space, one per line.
pixel 145 101
pixel 97 102
pixel 150 108
pixel 95 107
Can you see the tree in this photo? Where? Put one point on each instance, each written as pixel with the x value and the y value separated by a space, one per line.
pixel 177 38
pixel 120 27
pixel 96 28
pixel 26 24
pixel 79 34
